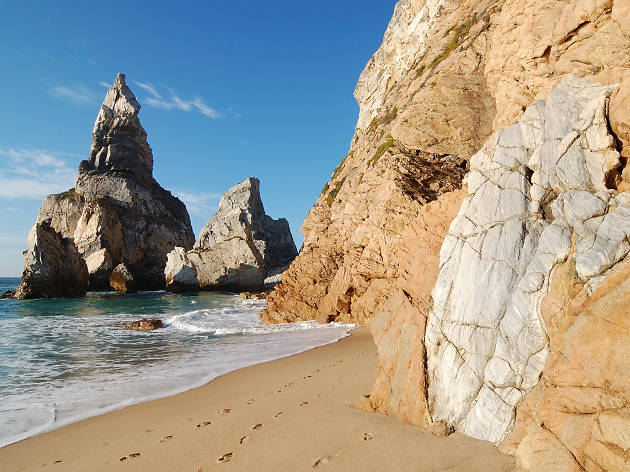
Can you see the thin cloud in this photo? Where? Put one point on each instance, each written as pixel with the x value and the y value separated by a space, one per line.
pixel 149 88
pixel 175 102
pixel 201 204
pixel 34 173
pixel 78 94
pixel 105 84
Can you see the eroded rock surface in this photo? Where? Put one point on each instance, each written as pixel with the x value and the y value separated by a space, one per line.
pixel 117 213
pixel 121 280
pixel 236 249
pixel 447 76
pixel 533 188
pixel 52 266
pixel 430 110
pixel 144 325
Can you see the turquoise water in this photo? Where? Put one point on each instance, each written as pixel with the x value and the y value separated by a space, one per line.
pixel 62 360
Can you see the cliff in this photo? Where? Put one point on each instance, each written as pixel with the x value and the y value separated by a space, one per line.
pixel 117 213
pixel 496 302
pixel 236 249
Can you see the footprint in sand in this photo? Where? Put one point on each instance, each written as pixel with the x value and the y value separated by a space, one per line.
pixel 257 426
pixel 130 456
pixel 166 438
pixel 225 457
pixel 205 423
pixel 135 454
pixel 368 436
pixel 226 411
pixel 321 461
pixel 251 401
pixel 303 403
pixel 278 414
pixel 243 440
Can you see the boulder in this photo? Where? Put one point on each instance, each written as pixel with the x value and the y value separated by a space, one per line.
pixel 236 249
pixel 53 267
pixel 144 325
pixel 253 296
pixel 121 280
pixel 117 213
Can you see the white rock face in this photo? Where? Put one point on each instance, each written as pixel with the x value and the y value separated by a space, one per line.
pixel 403 41
pixel 236 249
pixel 534 189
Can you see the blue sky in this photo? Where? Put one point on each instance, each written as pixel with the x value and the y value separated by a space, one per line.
pixel 228 90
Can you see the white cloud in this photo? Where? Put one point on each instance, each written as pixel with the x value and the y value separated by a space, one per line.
pixel 105 84
pixel 149 88
pixel 201 204
pixel 34 173
pixel 175 102
pixel 77 94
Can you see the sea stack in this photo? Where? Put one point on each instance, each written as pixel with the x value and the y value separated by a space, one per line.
pixel 236 249
pixel 117 213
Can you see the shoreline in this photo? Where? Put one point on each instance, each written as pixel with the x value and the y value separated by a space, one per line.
pixel 174 389
pixel 293 413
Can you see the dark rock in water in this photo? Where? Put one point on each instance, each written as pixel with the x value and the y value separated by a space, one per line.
pixel 236 249
pixel 53 267
pixel 253 296
pixel 144 325
pixel 117 213
pixel 7 294
pixel 121 280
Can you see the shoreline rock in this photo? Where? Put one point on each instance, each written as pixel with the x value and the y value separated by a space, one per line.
pixel 144 325
pixel 117 213
pixel 121 280
pixel 53 266
pixel 7 294
pixel 516 330
pixel 236 250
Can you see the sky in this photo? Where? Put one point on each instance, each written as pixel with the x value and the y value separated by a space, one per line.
pixel 228 90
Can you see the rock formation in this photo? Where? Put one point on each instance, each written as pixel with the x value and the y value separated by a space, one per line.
pixel 539 192
pixel 236 249
pixel 117 213
pixel 144 325
pixel 121 280
pixel 509 323
pixel 52 266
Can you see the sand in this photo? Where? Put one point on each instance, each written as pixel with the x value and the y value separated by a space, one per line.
pixel 291 414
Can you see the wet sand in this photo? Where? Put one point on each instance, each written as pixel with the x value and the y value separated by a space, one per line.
pixel 291 414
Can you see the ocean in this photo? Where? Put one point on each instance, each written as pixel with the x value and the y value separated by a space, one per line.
pixel 63 360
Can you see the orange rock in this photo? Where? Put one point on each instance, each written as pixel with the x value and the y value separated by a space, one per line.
pixel 578 417
pixel 398 328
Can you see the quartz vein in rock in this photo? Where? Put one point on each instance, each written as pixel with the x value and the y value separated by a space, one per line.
pixel 534 189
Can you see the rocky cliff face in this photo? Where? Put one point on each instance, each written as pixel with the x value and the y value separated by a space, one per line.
pixel 117 213
pixel 52 266
pixel 475 293
pixel 236 249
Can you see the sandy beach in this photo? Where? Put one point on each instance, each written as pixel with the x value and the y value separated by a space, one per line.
pixel 291 414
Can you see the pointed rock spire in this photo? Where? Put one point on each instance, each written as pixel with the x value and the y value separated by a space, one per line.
pixel 119 142
pixel 237 249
